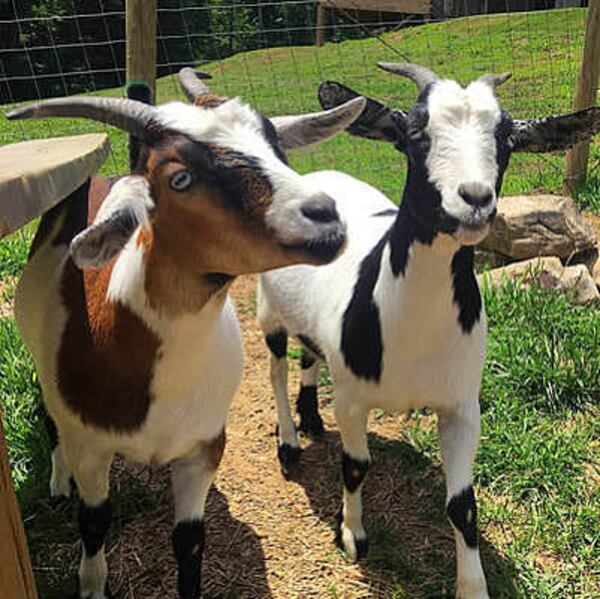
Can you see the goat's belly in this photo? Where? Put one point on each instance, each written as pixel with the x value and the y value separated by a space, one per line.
pixel 436 380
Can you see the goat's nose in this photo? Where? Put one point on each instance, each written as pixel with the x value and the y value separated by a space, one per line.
pixel 320 209
pixel 476 194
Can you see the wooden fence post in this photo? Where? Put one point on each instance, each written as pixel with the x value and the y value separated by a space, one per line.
pixel 585 94
pixel 141 43
pixel 16 575
pixel 320 25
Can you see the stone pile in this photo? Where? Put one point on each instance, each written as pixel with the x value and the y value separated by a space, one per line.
pixel 543 237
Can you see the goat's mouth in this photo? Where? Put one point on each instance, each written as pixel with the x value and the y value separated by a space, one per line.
pixel 320 249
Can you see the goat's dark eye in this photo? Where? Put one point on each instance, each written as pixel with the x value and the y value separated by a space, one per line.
pixel 181 180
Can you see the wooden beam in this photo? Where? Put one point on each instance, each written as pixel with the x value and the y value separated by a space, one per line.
pixel 320 26
pixel 141 42
pixel 35 175
pixel 16 574
pixel 585 94
pixel 421 7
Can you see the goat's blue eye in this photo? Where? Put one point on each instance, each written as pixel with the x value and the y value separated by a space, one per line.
pixel 181 180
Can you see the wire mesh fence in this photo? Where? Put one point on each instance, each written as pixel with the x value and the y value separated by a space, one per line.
pixel 264 51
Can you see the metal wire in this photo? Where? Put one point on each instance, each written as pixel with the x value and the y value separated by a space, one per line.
pixel 85 52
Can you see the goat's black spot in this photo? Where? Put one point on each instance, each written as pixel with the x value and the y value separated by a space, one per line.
pixel 503 151
pixel 307 359
pixel 354 471
pixel 466 291
pixel 307 406
pixel 277 343
pixel 462 511
pixel 387 212
pixel 310 345
pixel 218 279
pixel 188 546
pixel 289 458
pixel 271 136
pixel 94 523
pixel 362 343
pixel 51 430
pixel 75 208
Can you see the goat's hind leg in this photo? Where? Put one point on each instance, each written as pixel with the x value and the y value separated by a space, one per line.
pixel 307 404
pixel 191 479
pixel 91 469
pixel 288 450
pixel 459 436
pixel 60 477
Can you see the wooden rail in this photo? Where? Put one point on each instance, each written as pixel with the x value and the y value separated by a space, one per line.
pixel 417 7
pixel 585 94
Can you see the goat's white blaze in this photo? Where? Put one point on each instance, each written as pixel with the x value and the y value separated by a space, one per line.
pixel 461 127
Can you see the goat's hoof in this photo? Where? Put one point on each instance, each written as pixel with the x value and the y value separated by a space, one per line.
pixel 311 425
pixel 355 544
pixel 289 458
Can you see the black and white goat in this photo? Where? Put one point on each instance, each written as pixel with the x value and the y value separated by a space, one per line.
pixel 399 317
pixel 124 303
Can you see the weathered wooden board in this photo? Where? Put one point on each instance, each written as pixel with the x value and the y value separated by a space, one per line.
pixel 16 576
pixel 36 175
pixel 421 7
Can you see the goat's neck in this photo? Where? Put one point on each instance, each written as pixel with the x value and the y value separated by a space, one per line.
pixel 419 270
pixel 148 274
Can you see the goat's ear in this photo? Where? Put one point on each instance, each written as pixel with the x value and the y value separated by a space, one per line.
pixel 305 129
pixel 555 132
pixel 125 207
pixel 376 121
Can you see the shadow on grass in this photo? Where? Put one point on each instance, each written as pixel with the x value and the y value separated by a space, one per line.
pixel 411 544
pixel 138 548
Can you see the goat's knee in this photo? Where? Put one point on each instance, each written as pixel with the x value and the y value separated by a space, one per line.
pixel 462 513
pixel 351 534
pixel 94 522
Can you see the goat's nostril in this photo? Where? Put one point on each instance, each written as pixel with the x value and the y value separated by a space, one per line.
pixel 475 194
pixel 321 210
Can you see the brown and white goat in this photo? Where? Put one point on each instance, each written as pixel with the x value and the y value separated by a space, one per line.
pixel 123 303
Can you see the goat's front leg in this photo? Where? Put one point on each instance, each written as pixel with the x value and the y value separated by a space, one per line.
pixel 191 479
pixel 459 436
pixel 352 421
pixel 91 468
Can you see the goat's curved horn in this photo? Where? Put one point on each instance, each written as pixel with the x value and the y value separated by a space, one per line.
pixel 190 83
pixel 494 81
pixel 129 115
pixel 422 76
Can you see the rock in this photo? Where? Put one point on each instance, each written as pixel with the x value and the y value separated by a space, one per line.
pixel 486 259
pixel 540 225
pixel 596 274
pixel 549 273
pixel 578 279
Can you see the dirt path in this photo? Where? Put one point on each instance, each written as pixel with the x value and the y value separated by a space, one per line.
pixel 268 537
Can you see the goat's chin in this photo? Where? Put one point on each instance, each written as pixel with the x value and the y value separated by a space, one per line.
pixel 469 235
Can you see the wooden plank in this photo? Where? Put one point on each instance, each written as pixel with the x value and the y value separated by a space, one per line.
pixel 585 94
pixel 16 574
pixel 421 7
pixel 141 42
pixel 36 175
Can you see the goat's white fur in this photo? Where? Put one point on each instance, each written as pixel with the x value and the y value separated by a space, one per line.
pixel 427 361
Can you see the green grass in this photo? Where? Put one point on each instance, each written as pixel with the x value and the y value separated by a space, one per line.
pixel 537 467
pixel 541 49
